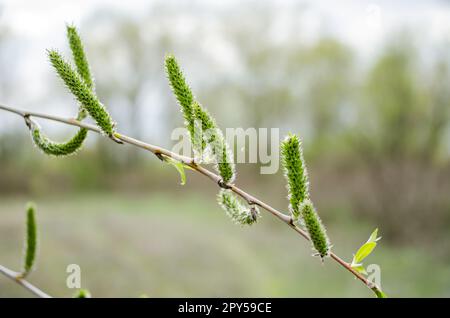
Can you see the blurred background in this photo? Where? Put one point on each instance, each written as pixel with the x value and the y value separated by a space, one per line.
pixel 365 83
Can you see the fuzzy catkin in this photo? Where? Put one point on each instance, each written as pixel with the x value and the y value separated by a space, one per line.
pixel 207 124
pixel 82 93
pixel 62 149
pixel 315 228
pixel 58 149
pixel 81 63
pixel 30 240
pixel 295 172
pixel 181 90
pixel 238 212
pixel 213 137
pixel 193 111
pixel 225 165
pixel 79 56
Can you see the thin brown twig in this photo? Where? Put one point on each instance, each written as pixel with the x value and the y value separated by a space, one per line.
pixel 16 278
pixel 159 151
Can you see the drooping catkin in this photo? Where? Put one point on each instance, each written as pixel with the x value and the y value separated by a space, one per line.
pixel 82 93
pixel 295 172
pixel 214 139
pixel 181 90
pixel 238 212
pixel 30 245
pixel 52 148
pixel 66 148
pixel 316 230
pixel 81 63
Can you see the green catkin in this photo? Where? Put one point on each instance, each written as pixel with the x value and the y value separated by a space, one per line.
pixel 30 240
pixel 81 63
pixel 208 124
pixel 193 111
pixel 225 167
pixel 214 138
pixel 236 210
pixel 315 228
pixel 79 56
pixel 82 92
pixel 58 149
pixel 295 173
pixel 181 90
pixel 62 149
pixel 298 189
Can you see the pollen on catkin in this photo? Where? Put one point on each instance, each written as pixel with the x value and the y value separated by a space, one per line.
pixel 215 141
pixel 81 63
pixel 295 172
pixel 207 124
pixel 181 90
pixel 58 149
pixel 315 228
pixel 238 212
pixel 82 93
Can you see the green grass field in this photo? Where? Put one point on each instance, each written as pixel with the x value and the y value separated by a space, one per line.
pixel 182 244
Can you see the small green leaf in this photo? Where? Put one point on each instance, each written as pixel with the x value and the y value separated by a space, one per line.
pixel 179 166
pixel 359 268
pixel 373 237
pixel 30 241
pixel 188 167
pixel 364 251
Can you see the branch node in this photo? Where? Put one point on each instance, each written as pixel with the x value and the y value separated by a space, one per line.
pixel 159 155
pixel 291 221
pixel 250 202
pixel 223 184
pixel 19 277
pixel 253 212
pixel 115 139
pixel 28 121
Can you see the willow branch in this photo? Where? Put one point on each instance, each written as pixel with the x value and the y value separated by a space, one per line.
pixel 27 285
pixel 159 152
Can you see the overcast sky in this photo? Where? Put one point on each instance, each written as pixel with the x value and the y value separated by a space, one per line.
pixel 360 23
pixel 364 25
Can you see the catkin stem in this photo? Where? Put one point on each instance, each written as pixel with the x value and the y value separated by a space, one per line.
pixel 158 151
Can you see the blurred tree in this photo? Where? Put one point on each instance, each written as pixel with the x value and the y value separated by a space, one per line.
pixel 329 74
pixel 7 62
pixel 248 73
pixel 439 111
pixel 403 127
pixel 397 99
pixel 128 61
